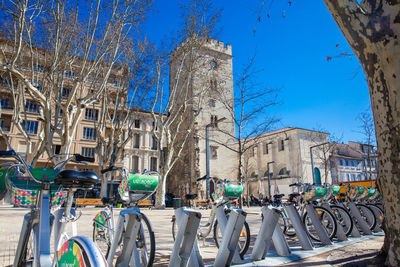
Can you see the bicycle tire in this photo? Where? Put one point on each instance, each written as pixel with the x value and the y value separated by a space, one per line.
pixel 243 243
pixel 286 229
pixel 27 256
pixel 146 237
pixel 327 219
pixel 367 214
pixel 378 214
pixel 344 218
pixel 102 234
pixel 81 250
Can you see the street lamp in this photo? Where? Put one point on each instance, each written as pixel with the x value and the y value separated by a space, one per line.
pixel 212 124
pixel 269 179
pixel 312 159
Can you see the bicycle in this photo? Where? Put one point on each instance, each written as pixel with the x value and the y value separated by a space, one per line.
pixel 308 195
pixel 40 189
pixel 226 193
pixel 117 240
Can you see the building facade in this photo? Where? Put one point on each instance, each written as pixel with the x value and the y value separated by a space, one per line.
pixel 281 157
pixel 353 162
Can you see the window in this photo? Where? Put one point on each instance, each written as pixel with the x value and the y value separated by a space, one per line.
pixel 214 152
pixel 213 121
pixel 153 164
pixel 137 124
pixel 65 92
pixel 135 164
pixel 38 85
pixel 91 114
pixel 283 171
pixel 88 152
pixel 266 151
pixel 89 133
pixel 57 149
pixel 31 106
pixel 136 141
pixel 211 103
pixel 4 103
pixel 153 143
pixel 282 145
pixel 251 152
pixel 213 64
pixel 38 68
pixel 341 163
pixel 30 127
pixel 352 163
pixel 3 126
pixel 117 83
pixel 213 84
pixel 69 74
pixel 347 163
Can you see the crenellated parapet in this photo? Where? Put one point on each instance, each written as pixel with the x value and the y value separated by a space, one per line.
pixel 210 44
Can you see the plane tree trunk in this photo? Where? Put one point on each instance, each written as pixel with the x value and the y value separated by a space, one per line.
pixel 372 29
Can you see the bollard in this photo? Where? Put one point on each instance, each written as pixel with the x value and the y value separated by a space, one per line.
pixel 319 228
pixel 359 219
pixel 340 234
pixel 228 247
pixel 264 237
pixel 299 227
pixel 188 223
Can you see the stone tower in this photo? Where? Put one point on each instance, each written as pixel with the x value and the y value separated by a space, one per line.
pixel 211 85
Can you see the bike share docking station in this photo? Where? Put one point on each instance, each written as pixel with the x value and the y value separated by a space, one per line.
pixel 186 249
pixel 129 255
pixel 270 231
pixel 231 229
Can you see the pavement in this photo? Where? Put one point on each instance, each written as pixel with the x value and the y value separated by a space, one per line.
pixel 354 251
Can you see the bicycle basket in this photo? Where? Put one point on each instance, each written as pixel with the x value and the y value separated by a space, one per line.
pixel 24 191
pixel 140 186
pixel 373 194
pixel 233 191
pixel 335 190
pixel 363 193
pixel 354 192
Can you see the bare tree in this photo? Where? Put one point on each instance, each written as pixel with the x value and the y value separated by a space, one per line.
pixel 62 55
pixel 367 129
pixel 175 110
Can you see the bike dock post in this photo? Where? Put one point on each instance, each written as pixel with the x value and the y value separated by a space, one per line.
pixel 299 227
pixel 129 255
pixel 319 228
pixel 340 234
pixel 354 231
pixel 188 223
pixel 231 228
pixel 360 220
pixel 265 235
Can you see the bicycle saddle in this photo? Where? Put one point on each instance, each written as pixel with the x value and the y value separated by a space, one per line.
pixel 292 195
pixel 76 179
pixel 191 196
pixel 279 195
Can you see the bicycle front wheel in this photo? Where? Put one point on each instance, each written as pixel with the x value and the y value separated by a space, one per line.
pixel 244 238
pixel 344 218
pixel 327 219
pixel 367 214
pixel 102 232
pixel 145 242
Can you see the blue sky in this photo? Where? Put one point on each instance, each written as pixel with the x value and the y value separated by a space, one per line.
pixel 292 53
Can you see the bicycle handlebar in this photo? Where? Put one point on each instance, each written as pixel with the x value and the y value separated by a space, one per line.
pixel 79 157
pixel 7 153
pixel 109 169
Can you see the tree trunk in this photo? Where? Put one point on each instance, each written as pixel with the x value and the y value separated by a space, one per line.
pixel 373 35
pixel 160 193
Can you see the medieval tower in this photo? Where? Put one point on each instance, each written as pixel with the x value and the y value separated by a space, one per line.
pixel 210 84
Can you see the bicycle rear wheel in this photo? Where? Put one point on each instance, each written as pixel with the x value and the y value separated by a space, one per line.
pixel 102 232
pixel 378 214
pixel 327 219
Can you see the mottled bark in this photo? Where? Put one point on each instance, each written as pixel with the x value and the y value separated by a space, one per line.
pixel 372 29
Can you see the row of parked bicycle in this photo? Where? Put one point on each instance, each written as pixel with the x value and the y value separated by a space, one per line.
pixel 131 241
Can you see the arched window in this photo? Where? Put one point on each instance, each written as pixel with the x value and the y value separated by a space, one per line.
pixel 283 171
pixel 253 175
